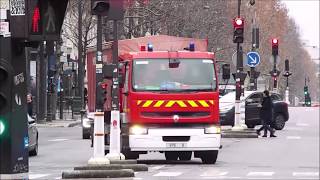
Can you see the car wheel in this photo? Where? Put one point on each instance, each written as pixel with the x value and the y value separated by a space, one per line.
pixel 34 151
pixel 279 122
pixel 185 155
pixel 250 125
pixel 171 155
pixel 209 157
pixel 85 134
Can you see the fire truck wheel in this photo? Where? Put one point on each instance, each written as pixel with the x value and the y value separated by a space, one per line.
pixel 209 157
pixel 185 155
pixel 131 155
pixel 171 155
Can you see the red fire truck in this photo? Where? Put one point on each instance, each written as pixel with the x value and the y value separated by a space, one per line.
pixel 169 98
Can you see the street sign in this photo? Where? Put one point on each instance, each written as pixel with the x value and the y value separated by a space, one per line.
pixel 17 8
pixel 253 59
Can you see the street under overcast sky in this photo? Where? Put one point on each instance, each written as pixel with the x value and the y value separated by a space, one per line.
pixel 306 15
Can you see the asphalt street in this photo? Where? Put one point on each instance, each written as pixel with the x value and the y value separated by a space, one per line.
pixel 294 154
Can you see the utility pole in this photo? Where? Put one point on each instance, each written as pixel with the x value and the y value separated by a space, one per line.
pixel 80 56
pixel 239 75
pixel 255 44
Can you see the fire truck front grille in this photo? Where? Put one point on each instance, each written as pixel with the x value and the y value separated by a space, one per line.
pixel 175 138
pixel 170 114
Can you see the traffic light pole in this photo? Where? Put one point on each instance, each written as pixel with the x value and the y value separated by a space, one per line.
pixel 275 82
pixel 115 147
pixel 239 77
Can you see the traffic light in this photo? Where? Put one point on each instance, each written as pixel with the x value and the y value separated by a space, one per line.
pixel 238 25
pixel 306 90
pixel 275 45
pixel 287 73
pixel 113 9
pixel 5 97
pixel 41 20
pixel 6 86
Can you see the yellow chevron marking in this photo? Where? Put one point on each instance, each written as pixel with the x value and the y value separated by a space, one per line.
pixel 193 104
pixel 170 103
pixel 212 102
pixel 181 104
pixel 139 102
pixel 147 103
pixel 158 104
pixel 203 103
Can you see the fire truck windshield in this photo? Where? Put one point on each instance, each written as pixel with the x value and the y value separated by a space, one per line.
pixel 185 75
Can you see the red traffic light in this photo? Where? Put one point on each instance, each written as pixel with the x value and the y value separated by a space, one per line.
pixel 238 22
pixel 275 41
pixel 36 20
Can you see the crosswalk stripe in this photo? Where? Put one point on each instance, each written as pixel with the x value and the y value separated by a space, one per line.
pixel 302 124
pixel 213 173
pixel 37 176
pixel 56 140
pixel 293 137
pixel 260 173
pixel 305 174
pixel 168 174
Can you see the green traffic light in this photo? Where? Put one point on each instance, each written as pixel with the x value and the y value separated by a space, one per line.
pixel 2 127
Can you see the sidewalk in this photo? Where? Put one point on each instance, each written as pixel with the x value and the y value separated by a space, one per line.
pixel 66 122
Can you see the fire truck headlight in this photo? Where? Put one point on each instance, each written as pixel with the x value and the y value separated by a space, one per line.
pixel 212 130
pixel 138 130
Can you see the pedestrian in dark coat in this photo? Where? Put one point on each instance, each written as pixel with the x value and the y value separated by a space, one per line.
pixel 266 115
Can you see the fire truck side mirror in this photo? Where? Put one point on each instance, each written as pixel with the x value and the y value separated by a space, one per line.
pixel 121 80
pixel 226 71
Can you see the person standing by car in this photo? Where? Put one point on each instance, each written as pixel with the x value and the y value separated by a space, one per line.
pixel 29 104
pixel 266 114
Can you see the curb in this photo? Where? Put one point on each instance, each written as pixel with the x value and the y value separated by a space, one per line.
pixel 83 174
pixel 58 124
pixel 123 162
pixel 239 134
pixel 134 167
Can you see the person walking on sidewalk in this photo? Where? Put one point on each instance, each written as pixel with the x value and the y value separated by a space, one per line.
pixel 266 115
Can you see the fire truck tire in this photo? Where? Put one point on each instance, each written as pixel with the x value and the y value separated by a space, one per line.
pixel 209 157
pixel 130 155
pixel 185 155
pixel 171 155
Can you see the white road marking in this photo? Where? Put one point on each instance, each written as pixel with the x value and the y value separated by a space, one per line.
pixel 136 178
pixel 293 137
pixel 168 174
pixel 155 168
pixel 221 177
pixel 294 128
pixel 260 173
pixel 297 174
pixel 37 176
pixel 213 173
pixel 302 124
pixel 56 140
pixel 58 178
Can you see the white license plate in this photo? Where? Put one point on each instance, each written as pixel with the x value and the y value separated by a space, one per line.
pixel 176 145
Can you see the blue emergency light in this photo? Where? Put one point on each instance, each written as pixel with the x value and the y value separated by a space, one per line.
pixel 191 47
pixel 150 47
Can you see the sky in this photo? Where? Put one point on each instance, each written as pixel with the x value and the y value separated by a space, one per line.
pixel 306 15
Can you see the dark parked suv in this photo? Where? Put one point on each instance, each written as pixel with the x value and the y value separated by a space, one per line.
pixel 251 102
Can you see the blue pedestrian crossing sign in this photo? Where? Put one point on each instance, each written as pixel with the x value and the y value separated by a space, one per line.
pixel 253 59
